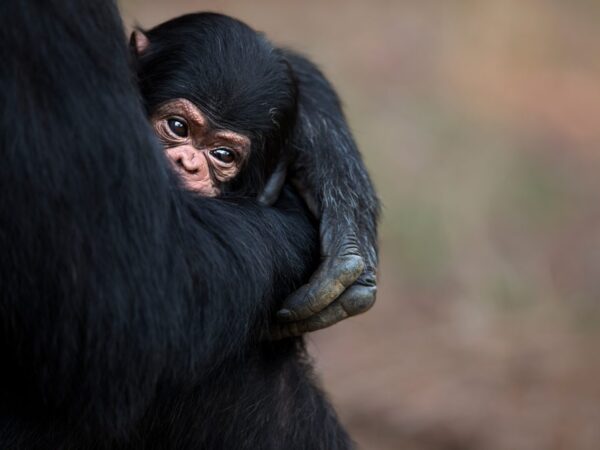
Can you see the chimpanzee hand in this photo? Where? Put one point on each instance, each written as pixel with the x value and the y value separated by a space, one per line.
pixel 342 286
pixel 326 168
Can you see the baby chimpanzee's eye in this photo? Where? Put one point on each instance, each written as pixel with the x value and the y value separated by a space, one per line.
pixel 178 127
pixel 223 154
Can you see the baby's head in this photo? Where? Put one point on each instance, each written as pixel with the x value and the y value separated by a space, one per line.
pixel 220 97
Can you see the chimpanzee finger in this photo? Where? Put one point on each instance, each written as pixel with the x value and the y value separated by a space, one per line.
pixel 357 299
pixel 329 281
pixel 274 184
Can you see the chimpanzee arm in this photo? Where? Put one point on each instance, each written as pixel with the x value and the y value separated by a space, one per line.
pixel 111 277
pixel 327 168
pixel 257 252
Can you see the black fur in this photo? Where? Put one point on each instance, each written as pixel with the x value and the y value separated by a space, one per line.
pixel 328 160
pixel 278 97
pixel 235 75
pixel 130 310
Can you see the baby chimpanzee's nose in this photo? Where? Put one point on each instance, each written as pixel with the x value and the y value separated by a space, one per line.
pixel 186 157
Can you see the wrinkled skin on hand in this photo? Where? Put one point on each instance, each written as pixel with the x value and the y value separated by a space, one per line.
pixel 341 287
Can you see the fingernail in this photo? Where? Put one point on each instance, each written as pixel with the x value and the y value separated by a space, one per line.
pixel 284 314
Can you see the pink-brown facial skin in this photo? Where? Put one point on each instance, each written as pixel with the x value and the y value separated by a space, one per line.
pixel 203 156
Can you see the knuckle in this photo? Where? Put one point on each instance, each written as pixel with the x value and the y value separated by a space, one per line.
pixel 351 266
pixel 353 262
pixel 361 300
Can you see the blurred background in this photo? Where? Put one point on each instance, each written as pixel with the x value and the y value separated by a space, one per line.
pixel 479 122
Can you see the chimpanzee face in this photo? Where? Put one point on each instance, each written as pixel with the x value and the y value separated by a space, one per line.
pixel 203 156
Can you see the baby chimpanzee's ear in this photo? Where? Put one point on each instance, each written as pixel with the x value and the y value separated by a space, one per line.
pixel 139 42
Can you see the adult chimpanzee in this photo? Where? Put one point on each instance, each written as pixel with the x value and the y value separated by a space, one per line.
pixel 222 98
pixel 130 309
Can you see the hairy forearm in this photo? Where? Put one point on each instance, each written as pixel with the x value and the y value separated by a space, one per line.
pixel 328 159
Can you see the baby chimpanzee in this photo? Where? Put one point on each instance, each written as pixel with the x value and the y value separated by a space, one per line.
pixel 232 110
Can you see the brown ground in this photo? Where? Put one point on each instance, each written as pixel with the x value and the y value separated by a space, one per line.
pixel 479 123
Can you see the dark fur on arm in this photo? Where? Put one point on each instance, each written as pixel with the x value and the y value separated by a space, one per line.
pixel 327 158
pixel 328 170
